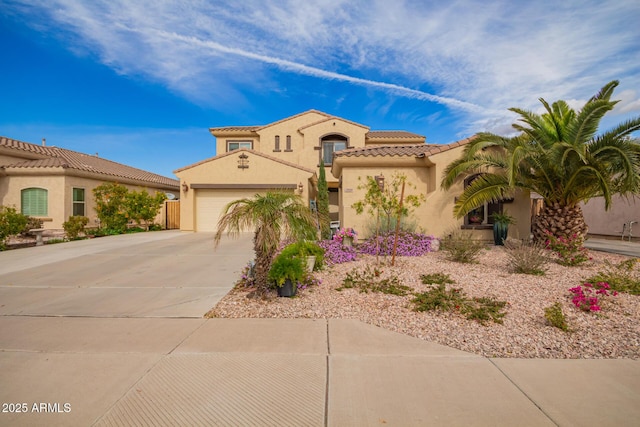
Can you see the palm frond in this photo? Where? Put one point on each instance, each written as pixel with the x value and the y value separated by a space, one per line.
pixel 486 188
pixel 585 126
pixel 606 91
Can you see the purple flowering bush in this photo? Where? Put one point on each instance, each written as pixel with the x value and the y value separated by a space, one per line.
pixel 409 244
pixel 335 253
pixel 587 296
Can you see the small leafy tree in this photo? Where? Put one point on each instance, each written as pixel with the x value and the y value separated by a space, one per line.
pixel 323 204
pixel 385 202
pixel 142 207
pixel 111 200
pixel 11 223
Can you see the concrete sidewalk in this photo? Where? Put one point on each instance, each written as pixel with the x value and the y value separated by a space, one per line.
pixel 103 333
pixel 290 372
pixel 615 246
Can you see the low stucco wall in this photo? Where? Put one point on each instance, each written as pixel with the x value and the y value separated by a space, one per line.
pixel 610 223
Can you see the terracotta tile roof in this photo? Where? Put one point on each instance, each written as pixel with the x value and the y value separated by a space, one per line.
pixel 67 159
pixel 234 129
pixel 257 153
pixel 420 150
pixel 385 150
pixel 393 134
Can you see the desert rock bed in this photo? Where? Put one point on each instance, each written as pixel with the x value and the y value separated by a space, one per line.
pixel 612 333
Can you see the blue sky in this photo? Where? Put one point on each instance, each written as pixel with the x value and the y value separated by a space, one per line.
pixel 140 82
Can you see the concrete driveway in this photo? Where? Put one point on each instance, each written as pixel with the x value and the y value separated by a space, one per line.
pixel 160 274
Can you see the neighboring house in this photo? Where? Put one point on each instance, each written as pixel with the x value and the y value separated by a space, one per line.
pixel 623 215
pixel 286 155
pixel 53 183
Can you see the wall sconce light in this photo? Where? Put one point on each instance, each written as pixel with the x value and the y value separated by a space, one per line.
pixel 185 187
pixel 300 188
pixel 380 180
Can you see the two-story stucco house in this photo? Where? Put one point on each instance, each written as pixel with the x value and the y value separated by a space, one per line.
pixel 287 154
pixel 52 183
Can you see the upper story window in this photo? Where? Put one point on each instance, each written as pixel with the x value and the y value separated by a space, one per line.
pixel 277 146
pixel 288 146
pixel 236 145
pixel 34 202
pixel 78 202
pixel 331 144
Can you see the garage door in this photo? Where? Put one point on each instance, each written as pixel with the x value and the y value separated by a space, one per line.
pixel 211 203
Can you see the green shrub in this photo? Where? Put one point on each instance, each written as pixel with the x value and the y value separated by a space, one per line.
pixel 111 201
pixel 11 223
pixel 369 280
pixel 286 267
pixel 526 257
pixel 556 317
pixel 461 247
pixel 32 223
pixel 439 298
pixel 621 277
pixel 74 226
pixel 305 248
pixel 443 299
pixel 436 278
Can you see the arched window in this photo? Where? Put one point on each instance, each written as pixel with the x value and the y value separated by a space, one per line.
pixel 34 202
pixel 482 214
pixel 331 144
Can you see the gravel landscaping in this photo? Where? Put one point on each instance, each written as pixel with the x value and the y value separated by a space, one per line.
pixel 614 332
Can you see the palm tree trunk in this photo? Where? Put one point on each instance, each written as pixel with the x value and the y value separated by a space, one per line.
pixel 560 220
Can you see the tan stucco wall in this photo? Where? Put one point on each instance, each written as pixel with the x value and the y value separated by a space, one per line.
pixel 306 131
pixel 435 214
pixel 225 170
pixel 609 223
pixel 59 195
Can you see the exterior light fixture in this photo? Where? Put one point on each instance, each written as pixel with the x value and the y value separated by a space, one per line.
pixel 185 187
pixel 300 188
pixel 380 181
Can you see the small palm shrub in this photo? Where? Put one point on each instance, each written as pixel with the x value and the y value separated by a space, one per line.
pixel 526 257
pixel 621 277
pixel 74 226
pixel 461 247
pixel 555 317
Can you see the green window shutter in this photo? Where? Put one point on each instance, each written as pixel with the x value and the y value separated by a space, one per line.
pixel 34 202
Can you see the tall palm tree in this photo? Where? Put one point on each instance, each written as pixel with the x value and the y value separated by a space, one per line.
pixel 560 156
pixel 276 215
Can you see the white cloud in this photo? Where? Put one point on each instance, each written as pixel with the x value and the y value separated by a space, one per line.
pixel 476 58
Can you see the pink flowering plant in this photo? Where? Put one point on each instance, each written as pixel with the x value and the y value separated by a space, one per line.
pixel 570 251
pixel 344 232
pixel 589 296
